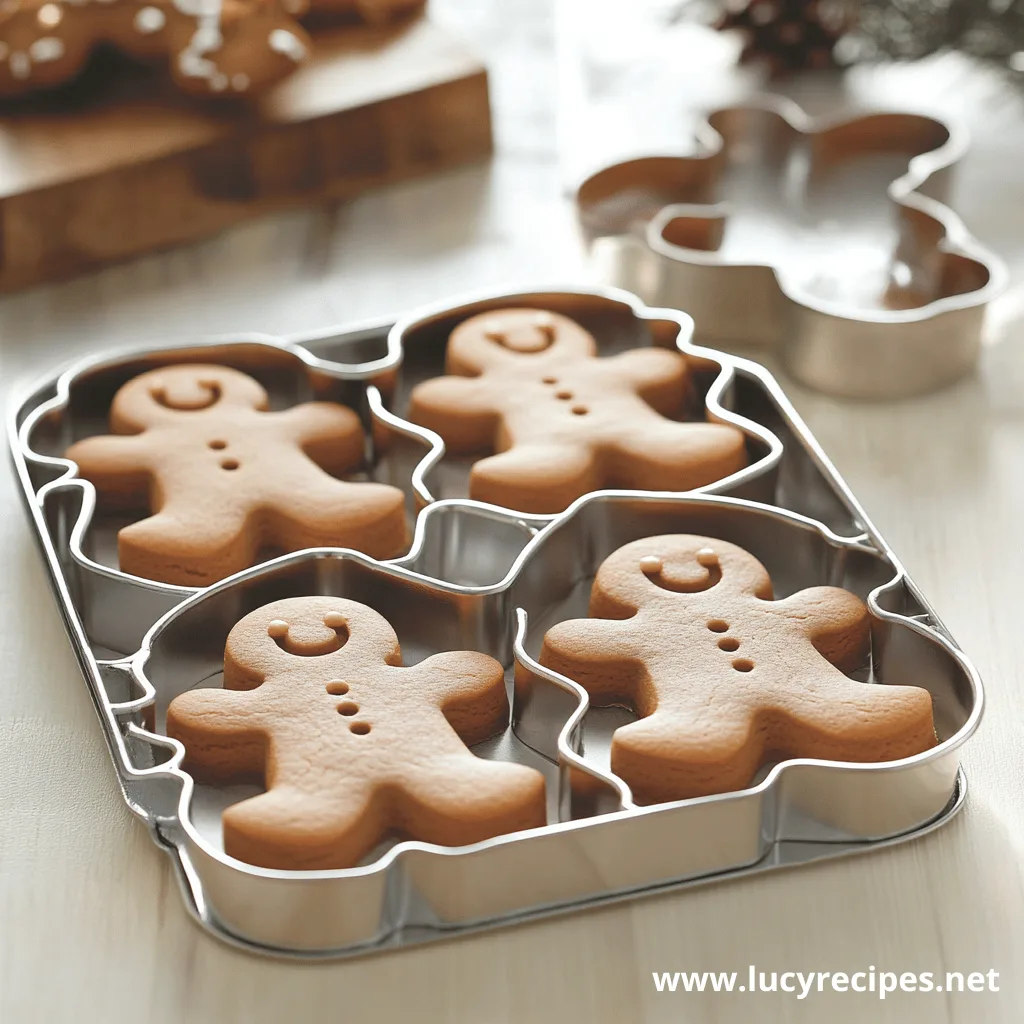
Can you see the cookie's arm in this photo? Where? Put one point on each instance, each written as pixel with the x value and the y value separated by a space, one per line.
pixel 115 464
pixel 469 688
pixel 658 374
pixel 222 733
pixel 463 410
pixel 599 654
pixel 836 622
pixel 330 434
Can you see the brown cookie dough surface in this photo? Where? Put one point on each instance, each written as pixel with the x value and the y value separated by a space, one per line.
pixel 527 385
pixel 684 630
pixel 351 746
pixel 226 481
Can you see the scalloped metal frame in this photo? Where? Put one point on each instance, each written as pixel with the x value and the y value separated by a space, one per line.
pixel 671 246
pixel 145 761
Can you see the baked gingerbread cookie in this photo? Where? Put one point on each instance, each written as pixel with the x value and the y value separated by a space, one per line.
pixel 351 746
pixel 225 47
pixel 225 481
pixel 684 631
pixel 527 385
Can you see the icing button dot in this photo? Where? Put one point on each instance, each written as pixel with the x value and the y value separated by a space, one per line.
pixel 335 620
pixel 651 564
pixel 149 20
pixel 50 15
pixel 240 82
pixel 219 82
pixel 277 628
pixel 287 43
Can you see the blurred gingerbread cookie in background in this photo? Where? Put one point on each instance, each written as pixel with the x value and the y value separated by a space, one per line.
pixel 219 48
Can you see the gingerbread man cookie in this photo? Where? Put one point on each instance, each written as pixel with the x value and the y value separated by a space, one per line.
pixel 684 631
pixel 527 385
pixel 351 746
pixel 214 47
pixel 225 481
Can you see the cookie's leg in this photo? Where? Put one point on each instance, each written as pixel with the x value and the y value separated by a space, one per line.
pixel 536 478
pixel 661 455
pixel 186 550
pixel 295 830
pixel 677 756
pixel 462 799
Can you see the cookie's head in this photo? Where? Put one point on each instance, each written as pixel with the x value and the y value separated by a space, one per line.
pixel 493 338
pixel 677 563
pixel 170 392
pixel 277 637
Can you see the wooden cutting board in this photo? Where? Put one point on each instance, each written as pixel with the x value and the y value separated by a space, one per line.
pixel 119 163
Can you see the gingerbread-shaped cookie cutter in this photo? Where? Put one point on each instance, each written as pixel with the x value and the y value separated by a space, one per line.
pixel 657 224
pixel 479 577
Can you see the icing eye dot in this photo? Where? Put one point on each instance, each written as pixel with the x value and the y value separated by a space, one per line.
pixel 742 664
pixel 651 564
pixel 717 625
pixel 217 445
pixel 707 558
pixel 580 410
pixel 563 395
pixel 337 688
pixel 347 708
pixel 278 627
pixel 149 20
pixel 229 464
pixel 729 643
pixel 549 380
pixel 359 728
pixel 334 620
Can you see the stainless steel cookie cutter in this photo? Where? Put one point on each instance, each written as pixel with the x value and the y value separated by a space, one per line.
pixel 477 576
pixel 844 322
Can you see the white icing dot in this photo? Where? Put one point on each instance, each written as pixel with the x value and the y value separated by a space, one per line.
pixel 219 82
pixel 49 15
pixel 149 20
pixel 207 38
pixel 46 49
pixel 287 43
pixel 240 82
pixel 21 65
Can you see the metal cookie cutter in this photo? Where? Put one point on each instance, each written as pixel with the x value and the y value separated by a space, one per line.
pixel 769 236
pixel 480 577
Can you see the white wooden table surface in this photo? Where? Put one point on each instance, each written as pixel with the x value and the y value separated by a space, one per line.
pixel 91 924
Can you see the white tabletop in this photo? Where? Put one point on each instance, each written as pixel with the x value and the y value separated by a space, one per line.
pixel 92 927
